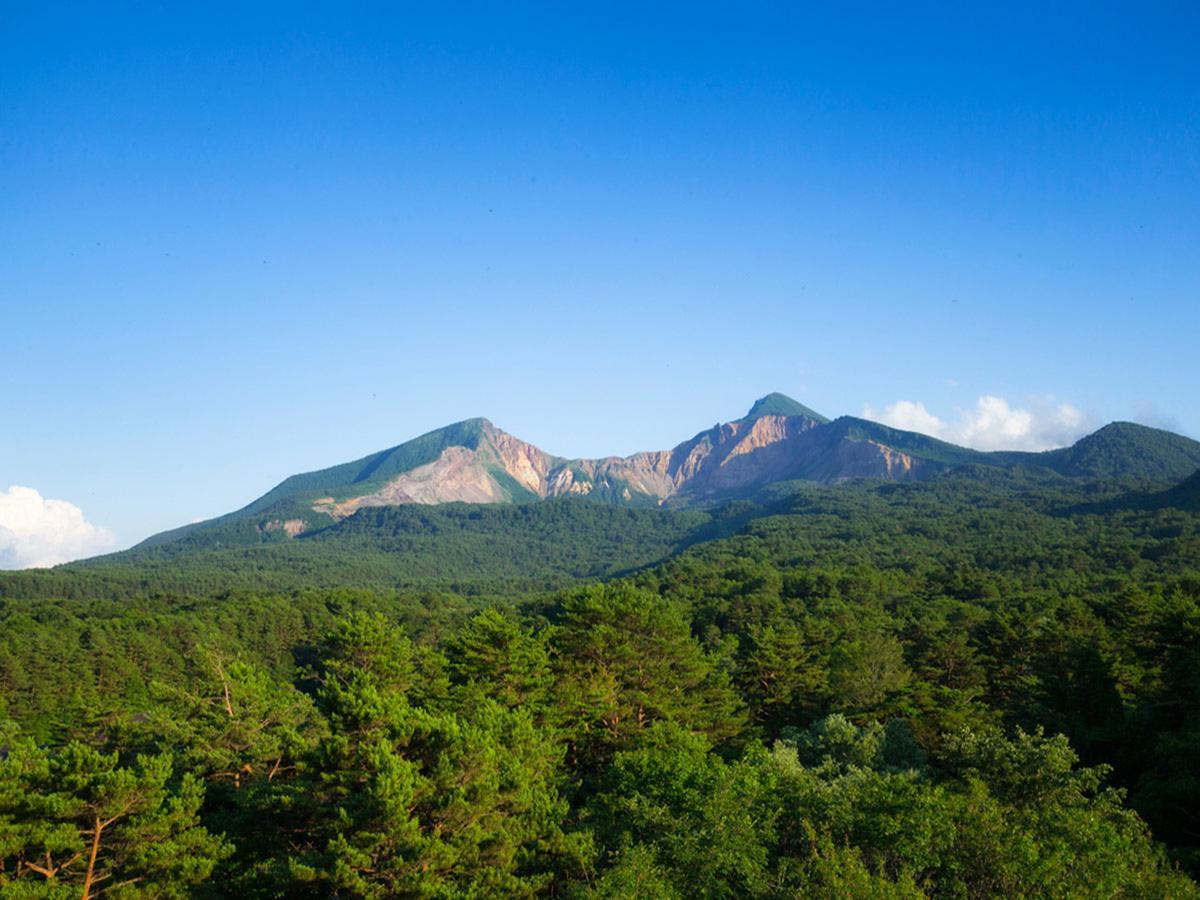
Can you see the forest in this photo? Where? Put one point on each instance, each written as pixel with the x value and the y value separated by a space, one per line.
pixel 983 685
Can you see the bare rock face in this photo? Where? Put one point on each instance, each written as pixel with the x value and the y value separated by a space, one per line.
pixel 528 466
pixel 291 527
pixel 453 476
pixel 726 460
pixel 473 461
pixel 744 454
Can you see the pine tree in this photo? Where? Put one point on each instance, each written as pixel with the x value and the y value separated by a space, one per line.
pixel 77 822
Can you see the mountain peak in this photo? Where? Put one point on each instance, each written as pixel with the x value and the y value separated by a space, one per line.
pixel 777 404
pixel 779 440
pixel 1126 448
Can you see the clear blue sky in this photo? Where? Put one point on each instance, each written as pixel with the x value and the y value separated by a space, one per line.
pixel 236 245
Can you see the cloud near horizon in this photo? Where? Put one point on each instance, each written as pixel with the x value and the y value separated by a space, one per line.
pixel 36 532
pixel 994 424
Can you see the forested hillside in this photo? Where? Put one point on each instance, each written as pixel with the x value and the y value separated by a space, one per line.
pixel 983 685
pixel 398 500
pixel 778 441
pixel 466 548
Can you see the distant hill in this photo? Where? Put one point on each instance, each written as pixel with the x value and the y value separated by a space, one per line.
pixel 1185 495
pixel 1123 450
pixel 470 549
pixel 779 440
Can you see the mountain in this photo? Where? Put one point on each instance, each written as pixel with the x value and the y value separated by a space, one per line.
pixel 476 462
pixel 1183 496
pixel 778 440
pixel 1123 449
pixel 782 405
pixel 498 548
pixel 1186 494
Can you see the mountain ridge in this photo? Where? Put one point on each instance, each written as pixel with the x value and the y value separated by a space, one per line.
pixel 778 440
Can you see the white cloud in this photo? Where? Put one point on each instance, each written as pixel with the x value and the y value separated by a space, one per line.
pixel 909 416
pixel 994 424
pixel 36 532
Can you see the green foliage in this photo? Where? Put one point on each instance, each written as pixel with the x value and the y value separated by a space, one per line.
pixel 466 549
pixel 868 675
pixel 835 743
pixel 367 473
pixel 1118 450
pixel 974 831
pixel 410 800
pixel 781 674
pixel 1123 449
pixel 234 724
pixel 628 660
pixel 983 685
pixel 911 442
pixel 75 822
pixel 498 656
pixel 634 874
pixel 710 823
pixel 1185 495
pixel 781 405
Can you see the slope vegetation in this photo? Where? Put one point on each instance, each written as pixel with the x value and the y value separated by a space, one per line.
pixel 778 441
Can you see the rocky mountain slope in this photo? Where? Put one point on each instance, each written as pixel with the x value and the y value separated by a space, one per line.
pixel 777 440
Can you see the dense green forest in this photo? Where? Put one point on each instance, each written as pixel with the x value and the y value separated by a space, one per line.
pixel 987 684
pixel 468 549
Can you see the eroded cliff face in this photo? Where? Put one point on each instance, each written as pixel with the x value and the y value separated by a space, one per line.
pixel 742 454
pixel 528 466
pixel 454 476
pixel 723 461
pixel 291 527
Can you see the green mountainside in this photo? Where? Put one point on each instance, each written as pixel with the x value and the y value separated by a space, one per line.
pixel 781 405
pixel 472 549
pixel 498 548
pixel 1123 449
pixel 289 496
pixel 372 471
pixel 778 441
pixel 1185 495
pixel 1118 450
pixel 918 689
pixel 847 660
pixel 911 442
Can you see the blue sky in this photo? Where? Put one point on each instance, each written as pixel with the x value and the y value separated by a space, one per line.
pixel 240 244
